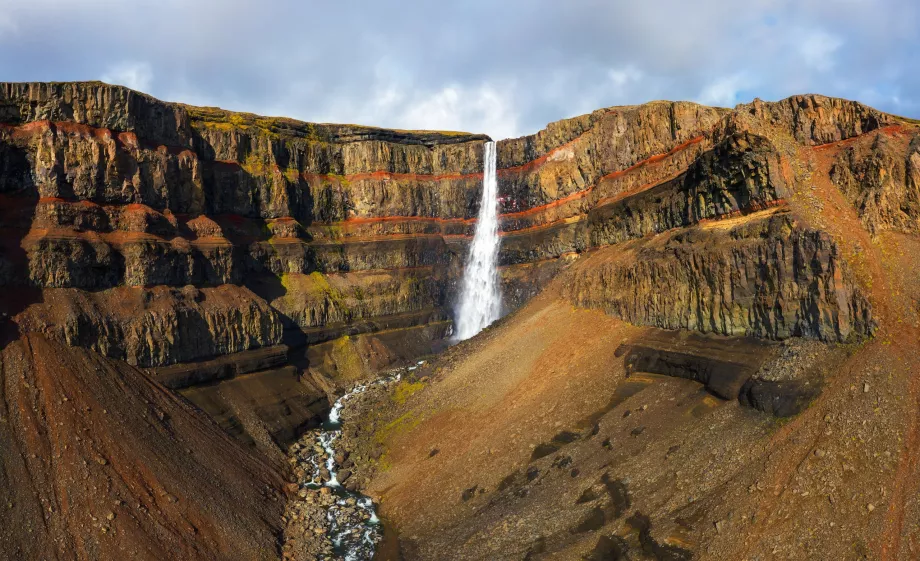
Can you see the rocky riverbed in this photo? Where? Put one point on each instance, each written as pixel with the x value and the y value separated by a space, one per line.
pixel 330 519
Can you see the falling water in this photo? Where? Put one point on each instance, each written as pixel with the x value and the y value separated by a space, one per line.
pixel 480 299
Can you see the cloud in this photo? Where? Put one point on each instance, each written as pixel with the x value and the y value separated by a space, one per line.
pixel 455 107
pixel 503 68
pixel 818 49
pixel 7 25
pixel 135 75
pixel 723 92
pixel 622 77
pixel 394 102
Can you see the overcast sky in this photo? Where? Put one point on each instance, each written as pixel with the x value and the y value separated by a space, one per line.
pixel 501 67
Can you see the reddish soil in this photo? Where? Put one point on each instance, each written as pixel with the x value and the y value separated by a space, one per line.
pixel 100 462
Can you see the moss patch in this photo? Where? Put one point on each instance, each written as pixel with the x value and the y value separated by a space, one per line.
pixel 346 358
pixel 404 390
pixel 336 296
pixel 401 424
pixel 273 127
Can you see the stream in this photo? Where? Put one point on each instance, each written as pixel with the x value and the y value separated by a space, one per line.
pixel 351 522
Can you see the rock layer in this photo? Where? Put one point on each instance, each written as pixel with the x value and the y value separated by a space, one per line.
pixel 164 234
pixel 109 188
pixel 762 276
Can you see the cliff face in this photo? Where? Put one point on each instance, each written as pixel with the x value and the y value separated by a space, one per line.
pixel 761 275
pixel 106 187
pixel 160 233
pixel 259 264
pixel 116 196
pixel 174 236
pixel 703 270
pixel 733 240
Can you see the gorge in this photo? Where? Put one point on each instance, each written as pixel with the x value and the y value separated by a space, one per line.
pixel 708 343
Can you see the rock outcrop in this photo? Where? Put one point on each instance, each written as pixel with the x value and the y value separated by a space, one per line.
pixel 157 325
pixel 759 276
pixel 172 236
pixel 107 188
pixel 881 179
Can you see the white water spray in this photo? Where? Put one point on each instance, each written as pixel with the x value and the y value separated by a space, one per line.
pixel 480 298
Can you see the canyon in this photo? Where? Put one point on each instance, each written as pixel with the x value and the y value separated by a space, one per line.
pixel 709 345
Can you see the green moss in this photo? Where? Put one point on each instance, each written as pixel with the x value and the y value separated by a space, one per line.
pixel 333 232
pixel 343 181
pixel 315 285
pixel 404 390
pixel 442 133
pixel 346 358
pixel 292 175
pixel 321 282
pixel 400 425
pixel 217 126
pixel 253 165
pixel 280 128
pixel 274 127
pixel 286 282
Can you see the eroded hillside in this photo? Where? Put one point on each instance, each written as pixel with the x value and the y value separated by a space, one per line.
pixel 98 461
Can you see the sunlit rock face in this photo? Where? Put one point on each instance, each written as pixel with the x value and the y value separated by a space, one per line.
pixel 315 230
pixel 164 234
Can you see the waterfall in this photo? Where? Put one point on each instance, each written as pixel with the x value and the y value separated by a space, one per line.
pixel 480 298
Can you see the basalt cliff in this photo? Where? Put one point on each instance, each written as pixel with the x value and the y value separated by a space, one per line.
pixel 167 267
